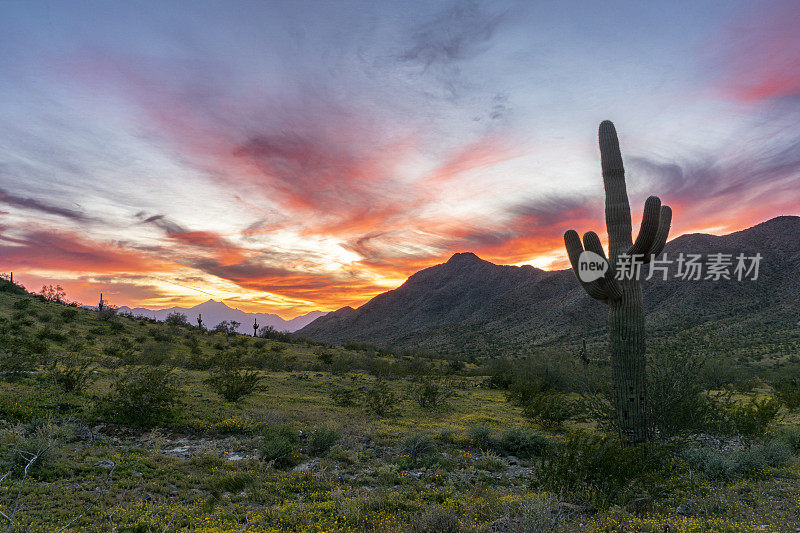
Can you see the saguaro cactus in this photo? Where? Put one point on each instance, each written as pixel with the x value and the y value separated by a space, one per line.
pixel 255 328
pixel 623 296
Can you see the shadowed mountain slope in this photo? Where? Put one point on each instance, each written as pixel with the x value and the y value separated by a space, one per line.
pixel 473 306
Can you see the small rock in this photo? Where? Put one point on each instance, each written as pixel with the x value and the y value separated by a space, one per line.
pixel 685 508
pixel 513 460
pixel 105 464
pixel 307 466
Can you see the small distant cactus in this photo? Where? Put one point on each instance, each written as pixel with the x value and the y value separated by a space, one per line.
pixel 623 296
pixel 200 320
pixel 255 327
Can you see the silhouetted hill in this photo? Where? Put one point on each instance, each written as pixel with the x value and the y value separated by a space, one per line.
pixel 215 312
pixel 471 305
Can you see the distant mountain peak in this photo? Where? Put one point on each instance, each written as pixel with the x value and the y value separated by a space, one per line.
pixel 211 303
pixel 464 257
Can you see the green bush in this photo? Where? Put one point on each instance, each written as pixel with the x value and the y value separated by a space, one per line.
pixel 233 384
pixel 522 442
pixel 155 353
pixel 596 469
pixel 743 462
pixel 481 437
pixel 178 320
pixel 281 445
pixel 26 446
pixel 418 447
pixel 430 393
pixel 787 391
pixel 71 374
pixel 380 399
pixel 791 436
pixel 754 416
pixel 344 396
pixel 550 409
pixel 143 396
pixel 321 440
pixel 677 401
pixel 69 314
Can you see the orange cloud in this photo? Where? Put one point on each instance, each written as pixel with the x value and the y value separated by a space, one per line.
pixel 67 251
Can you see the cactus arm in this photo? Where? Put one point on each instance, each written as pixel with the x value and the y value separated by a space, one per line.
pixel 648 229
pixel 574 250
pixel 608 283
pixel 618 210
pixel 661 234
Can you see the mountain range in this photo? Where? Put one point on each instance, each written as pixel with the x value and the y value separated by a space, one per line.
pixel 469 305
pixel 215 312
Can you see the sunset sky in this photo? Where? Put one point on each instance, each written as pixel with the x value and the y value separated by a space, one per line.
pixel 291 156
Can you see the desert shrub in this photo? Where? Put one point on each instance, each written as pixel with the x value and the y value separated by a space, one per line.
pixel 437 519
pixel 596 469
pixel 233 384
pixel 281 445
pixel 20 355
pixel 339 453
pixel 6 285
pixel 155 353
pixel 234 482
pixel 107 313
pixel 176 319
pixel 550 408
pixel 344 396
pixel 501 374
pixel 676 399
pixel 321 440
pixel 227 327
pixel 69 314
pixel 752 417
pixel 71 374
pixel 24 445
pixel 791 436
pixel 268 332
pixel 787 391
pixel 418 447
pixel 431 393
pixel 481 437
pixel 379 399
pixel 490 461
pixel 522 442
pixel 143 396
pixel 47 333
pixel 744 462
pixel 53 293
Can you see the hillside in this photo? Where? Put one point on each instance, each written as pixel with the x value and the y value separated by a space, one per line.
pixel 116 423
pixel 474 306
pixel 215 312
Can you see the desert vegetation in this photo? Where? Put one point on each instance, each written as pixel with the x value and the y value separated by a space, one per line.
pixel 169 427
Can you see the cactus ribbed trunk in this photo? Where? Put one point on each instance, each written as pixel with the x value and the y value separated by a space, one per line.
pixel 627 349
pixel 625 316
pixel 623 294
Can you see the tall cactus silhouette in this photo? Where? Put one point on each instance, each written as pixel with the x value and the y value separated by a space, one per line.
pixel 623 296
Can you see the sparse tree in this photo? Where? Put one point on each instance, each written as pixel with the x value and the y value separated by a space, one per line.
pixel 53 293
pixel 177 319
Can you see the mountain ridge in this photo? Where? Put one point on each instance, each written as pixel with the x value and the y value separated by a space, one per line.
pixel 214 312
pixel 470 304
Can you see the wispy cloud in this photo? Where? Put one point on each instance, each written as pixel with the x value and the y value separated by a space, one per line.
pixel 42 206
